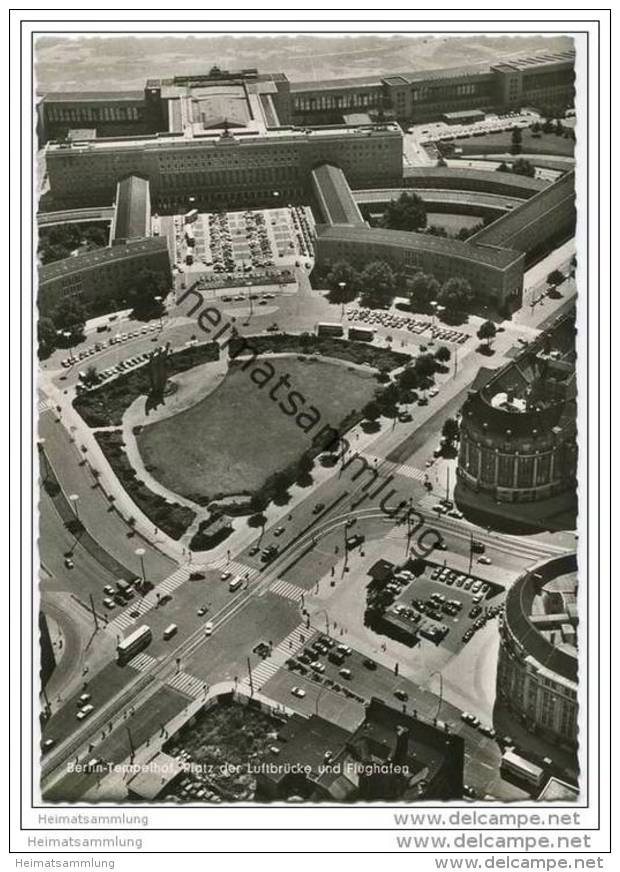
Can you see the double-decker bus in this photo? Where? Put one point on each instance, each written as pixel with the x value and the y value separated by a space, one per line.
pixel 522 769
pixel 133 643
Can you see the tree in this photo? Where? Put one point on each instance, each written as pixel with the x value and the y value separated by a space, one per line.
pixel 488 331
pixel 408 379
pixel 342 271
pixel 257 520
pixel 502 168
pixel 46 334
pixel 456 294
pixel 425 365
pixel 517 139
pixel 441 162
pixel 443 354
pixel 372 410
pixel 90 376
pixel 424 289
pixel 555 277
pixel 70 316
pixel 408 212
pixel 523 167
pixel 378 283
pixel 450 429
pixel 147 285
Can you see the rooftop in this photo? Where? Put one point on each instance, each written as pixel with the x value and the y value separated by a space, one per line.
pixel 532 393
pixel 306 741
pixel 438 173
pixel 334 195
pixel 132 215
pixel 541 59
pixel 504 229
pixel 293 135
pixel 90 96
pixel 546 642
pixel 490 256
pixel 100 257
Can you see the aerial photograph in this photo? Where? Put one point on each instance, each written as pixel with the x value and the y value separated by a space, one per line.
pixel 306 465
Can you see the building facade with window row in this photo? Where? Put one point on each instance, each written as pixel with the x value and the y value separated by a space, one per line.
pixel 537 665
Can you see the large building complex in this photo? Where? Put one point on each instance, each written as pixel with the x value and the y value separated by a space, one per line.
pixel 495 273
pixel 492 260
pixel 548 215
pixel 99 277
pixel 542 79
pixel 222 168
pixel 537 667
pixel 518 439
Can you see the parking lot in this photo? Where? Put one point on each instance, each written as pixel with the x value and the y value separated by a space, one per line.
pixel 431 132
pixel 115 339
pixel 397 320
pixel 232 243
pixel 459 603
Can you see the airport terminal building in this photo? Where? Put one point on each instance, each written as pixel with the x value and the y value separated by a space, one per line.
pixel 171 105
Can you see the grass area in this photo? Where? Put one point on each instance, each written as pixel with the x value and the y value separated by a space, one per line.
pixel 105 406
pixel 329 346
pixel 490 143
pixel 172 518
pixel 239 436
pixel 452 223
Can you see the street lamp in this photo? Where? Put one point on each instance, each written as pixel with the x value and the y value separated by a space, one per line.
pixel 437 672
pixel 140 552
pixel 437 308
pixel 158 299
pixel 342 286
pixel 250 302
pixel 74 498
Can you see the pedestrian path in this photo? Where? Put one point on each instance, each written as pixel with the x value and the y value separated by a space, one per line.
pixel 188 684
pixel 143 662
pixel 44 405
pixel 235 567
pixel 288 647
pixel 285 589
pixel 382 465
pixel 145 604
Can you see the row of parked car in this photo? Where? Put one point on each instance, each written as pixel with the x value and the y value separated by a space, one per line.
pixel 117 339
pixel 123 366
pixel 387 319
pixel 480 621
pixel 480 589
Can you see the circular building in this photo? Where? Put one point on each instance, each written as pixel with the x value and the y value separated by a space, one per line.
pixel 518 429
pixel 537 666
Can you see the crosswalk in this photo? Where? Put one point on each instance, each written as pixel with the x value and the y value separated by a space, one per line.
pixel 148 602
pixel 235 567
pixel 288 647
pixel 143 662
pixel 44 405
pixel 393 468
pixel 287 590
pixel 188 684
